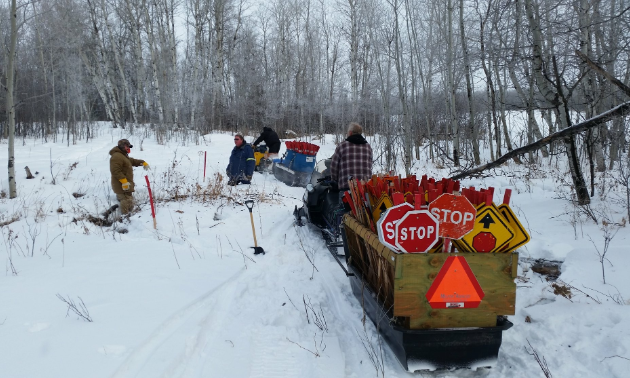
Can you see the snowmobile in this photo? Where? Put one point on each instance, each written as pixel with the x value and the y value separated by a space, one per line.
pixel 262 164
pixel 322 209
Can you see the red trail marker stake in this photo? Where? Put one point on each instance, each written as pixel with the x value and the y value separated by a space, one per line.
pixel 205 155
pixel 151 200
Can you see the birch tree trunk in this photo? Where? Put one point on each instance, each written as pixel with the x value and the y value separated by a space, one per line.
pixel 135 11
pixel 199 11
pixel 101 69
pixel 402 91
pixel 118 60
pixel 354 52
pixel 490 86
pixel 594 142
pixel 40 50
pixel 474 130
pixel 97 81
pixel 154 77
pixel 385 88
pixel 169 7
pixel 10 106
pixel 218 66
pixel 533 130
pixel 450 63
pixel 506 133
pixel 562 112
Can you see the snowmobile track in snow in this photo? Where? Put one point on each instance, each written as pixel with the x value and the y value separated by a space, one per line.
pixel 198 315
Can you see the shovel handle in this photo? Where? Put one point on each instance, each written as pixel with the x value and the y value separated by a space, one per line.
pixel 251 216
pixel 250 205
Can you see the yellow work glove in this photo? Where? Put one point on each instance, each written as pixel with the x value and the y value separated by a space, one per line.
pixel 126 185
pixel 146 166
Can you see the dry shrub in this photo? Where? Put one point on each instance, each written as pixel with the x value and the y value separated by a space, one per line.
pixel 40 211
pixel 213 191
pixel 13 218
pixel 559 289
pixel 69 170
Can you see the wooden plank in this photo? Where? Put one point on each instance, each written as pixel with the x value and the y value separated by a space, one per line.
pixel 418 271
pixel 370 238
pixel 454 319
pixel 514 264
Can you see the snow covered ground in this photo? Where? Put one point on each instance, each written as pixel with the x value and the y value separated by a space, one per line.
pixel 191 300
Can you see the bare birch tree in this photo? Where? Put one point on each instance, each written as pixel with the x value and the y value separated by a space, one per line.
pixel 10 104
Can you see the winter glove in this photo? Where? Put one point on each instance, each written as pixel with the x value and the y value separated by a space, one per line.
pixel 126 185
pixel 248 178
pixel 146 166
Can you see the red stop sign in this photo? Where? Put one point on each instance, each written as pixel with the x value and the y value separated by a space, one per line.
pixel 455 214
pixel 417 231
pixel 386 225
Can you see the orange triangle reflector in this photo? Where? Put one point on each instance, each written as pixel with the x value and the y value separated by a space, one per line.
pixel 455 286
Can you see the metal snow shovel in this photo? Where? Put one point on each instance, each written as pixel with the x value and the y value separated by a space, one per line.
pixel 257 249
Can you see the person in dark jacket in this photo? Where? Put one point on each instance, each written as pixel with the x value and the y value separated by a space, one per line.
pixel 271 139
pixel 242 162
pixel 121 168
pixel 352 158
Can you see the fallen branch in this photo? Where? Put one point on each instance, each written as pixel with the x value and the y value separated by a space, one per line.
pixel 603 72
pixel 316 354
pixel 541 361
pixel 79 309
pixel 616 112
pixel 569 131
pixel 615 356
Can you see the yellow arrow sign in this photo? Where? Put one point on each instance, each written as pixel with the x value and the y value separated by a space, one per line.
pixel 382 204
pixel 490 234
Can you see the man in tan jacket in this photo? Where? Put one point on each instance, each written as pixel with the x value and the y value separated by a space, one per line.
pixel 121 167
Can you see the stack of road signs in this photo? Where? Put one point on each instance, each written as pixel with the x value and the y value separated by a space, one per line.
pixel 369 200
pixel 471 220
pixel 497 229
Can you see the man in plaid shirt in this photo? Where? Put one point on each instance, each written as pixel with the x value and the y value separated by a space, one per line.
pixel 352 158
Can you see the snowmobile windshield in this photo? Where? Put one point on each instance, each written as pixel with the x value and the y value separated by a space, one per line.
pixel 322 169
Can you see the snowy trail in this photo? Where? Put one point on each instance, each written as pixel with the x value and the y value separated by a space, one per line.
pixel 173 343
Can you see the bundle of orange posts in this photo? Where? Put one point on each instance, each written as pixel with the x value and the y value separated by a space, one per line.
pixel 496 228
pixel 370 199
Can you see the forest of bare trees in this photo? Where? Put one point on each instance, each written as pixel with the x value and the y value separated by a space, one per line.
pixel 440 73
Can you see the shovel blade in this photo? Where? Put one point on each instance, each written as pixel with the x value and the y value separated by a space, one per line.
pixel 258 250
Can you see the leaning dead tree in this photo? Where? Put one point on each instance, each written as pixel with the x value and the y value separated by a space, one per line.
pixel 618 111
pixel 598 120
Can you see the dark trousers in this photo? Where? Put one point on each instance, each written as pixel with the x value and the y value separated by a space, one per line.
pixel 274 148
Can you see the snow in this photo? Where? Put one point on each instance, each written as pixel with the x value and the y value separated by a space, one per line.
pixel 193 301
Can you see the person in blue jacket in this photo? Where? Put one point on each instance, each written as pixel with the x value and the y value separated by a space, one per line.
pixel 242 162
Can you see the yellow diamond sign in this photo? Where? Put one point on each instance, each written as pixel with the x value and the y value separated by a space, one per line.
pixel 382 204
pixel 521 236
pixel 490 234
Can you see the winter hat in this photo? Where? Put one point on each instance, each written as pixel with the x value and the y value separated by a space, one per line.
pixel 124 142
